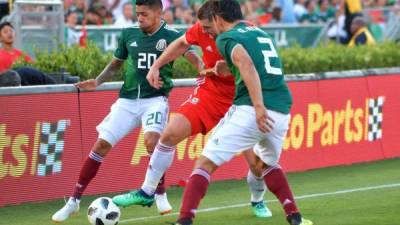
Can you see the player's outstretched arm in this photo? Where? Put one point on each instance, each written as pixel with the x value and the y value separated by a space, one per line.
pixel 244 63
pixel 194 59
pixel 221 68
pixel 107 74
pixel 173 51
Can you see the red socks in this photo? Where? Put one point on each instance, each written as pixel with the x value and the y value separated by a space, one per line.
pixel 88 172
pixel 195 190
pixel 277 183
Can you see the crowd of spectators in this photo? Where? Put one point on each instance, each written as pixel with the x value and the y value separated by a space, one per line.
pixel 260 12
pixel 349 25
pixel 121 12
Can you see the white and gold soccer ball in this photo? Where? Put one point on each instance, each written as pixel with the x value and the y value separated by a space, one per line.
pixel 103 211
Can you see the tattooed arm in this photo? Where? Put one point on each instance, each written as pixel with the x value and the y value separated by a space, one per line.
pixel 107 74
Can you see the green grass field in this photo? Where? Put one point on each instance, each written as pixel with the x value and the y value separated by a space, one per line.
pixel 348 195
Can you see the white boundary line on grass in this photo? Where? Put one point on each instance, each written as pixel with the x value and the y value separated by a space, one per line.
pixel 247 204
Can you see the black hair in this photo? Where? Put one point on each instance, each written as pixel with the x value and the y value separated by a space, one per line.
pixel 6 24
pixel 308 3
pixel 321 1
pixel 205 11
pixel 228 10
pixel 68 13
pixel 10 78
pixel 151 3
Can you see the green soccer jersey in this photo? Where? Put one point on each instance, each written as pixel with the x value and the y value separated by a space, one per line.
pixel 261 49
pixel 141 50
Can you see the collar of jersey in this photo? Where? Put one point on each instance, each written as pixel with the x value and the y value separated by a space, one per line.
pixel 240 23
pixel 156 31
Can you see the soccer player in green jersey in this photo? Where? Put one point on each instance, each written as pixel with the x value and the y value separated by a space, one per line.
pixel 208 103
pixel 259 116
pixel 139 104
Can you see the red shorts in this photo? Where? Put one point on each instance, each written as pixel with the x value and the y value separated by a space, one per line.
pixel 203 110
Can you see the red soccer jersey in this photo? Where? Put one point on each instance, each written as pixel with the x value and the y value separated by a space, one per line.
pixel 221 87
pixel 7 58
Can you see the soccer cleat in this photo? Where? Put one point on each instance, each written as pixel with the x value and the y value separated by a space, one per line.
pixel 162 203
pixel 135 197
pixel 260 209
pixel 306 222
pixel 71 207
pixel 183 222
pixel 296 219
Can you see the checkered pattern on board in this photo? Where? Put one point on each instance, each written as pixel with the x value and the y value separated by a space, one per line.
pixel 51 147
pixel 375 118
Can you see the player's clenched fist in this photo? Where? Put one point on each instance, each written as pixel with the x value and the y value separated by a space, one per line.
pixel 221 68
pixel 153 76
pixel 264 122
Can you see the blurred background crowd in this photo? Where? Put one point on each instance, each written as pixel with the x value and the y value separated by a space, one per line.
pixel 349 22
pixel 183 11
pixel 260 12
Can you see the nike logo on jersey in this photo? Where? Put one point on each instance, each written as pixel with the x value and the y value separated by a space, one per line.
pixel 134 44
pixel 209 48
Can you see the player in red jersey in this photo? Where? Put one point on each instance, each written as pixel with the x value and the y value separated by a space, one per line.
pixel 209 102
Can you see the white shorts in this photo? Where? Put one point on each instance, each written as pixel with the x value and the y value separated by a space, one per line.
pixel 127 114
pixel 238 131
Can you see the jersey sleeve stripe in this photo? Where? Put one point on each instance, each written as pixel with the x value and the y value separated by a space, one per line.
pixel 233 49
pixel 115 57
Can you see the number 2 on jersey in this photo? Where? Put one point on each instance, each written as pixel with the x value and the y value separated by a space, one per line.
pixel 269 54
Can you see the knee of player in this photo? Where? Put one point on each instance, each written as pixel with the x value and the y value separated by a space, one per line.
pixel 172 137
pixel 270 165
pixel 206 164
pixel 102 147
pixel 273 162
pixel 256 169
pixel 150 143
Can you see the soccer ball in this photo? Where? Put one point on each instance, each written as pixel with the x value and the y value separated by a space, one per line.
pixel 103 211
